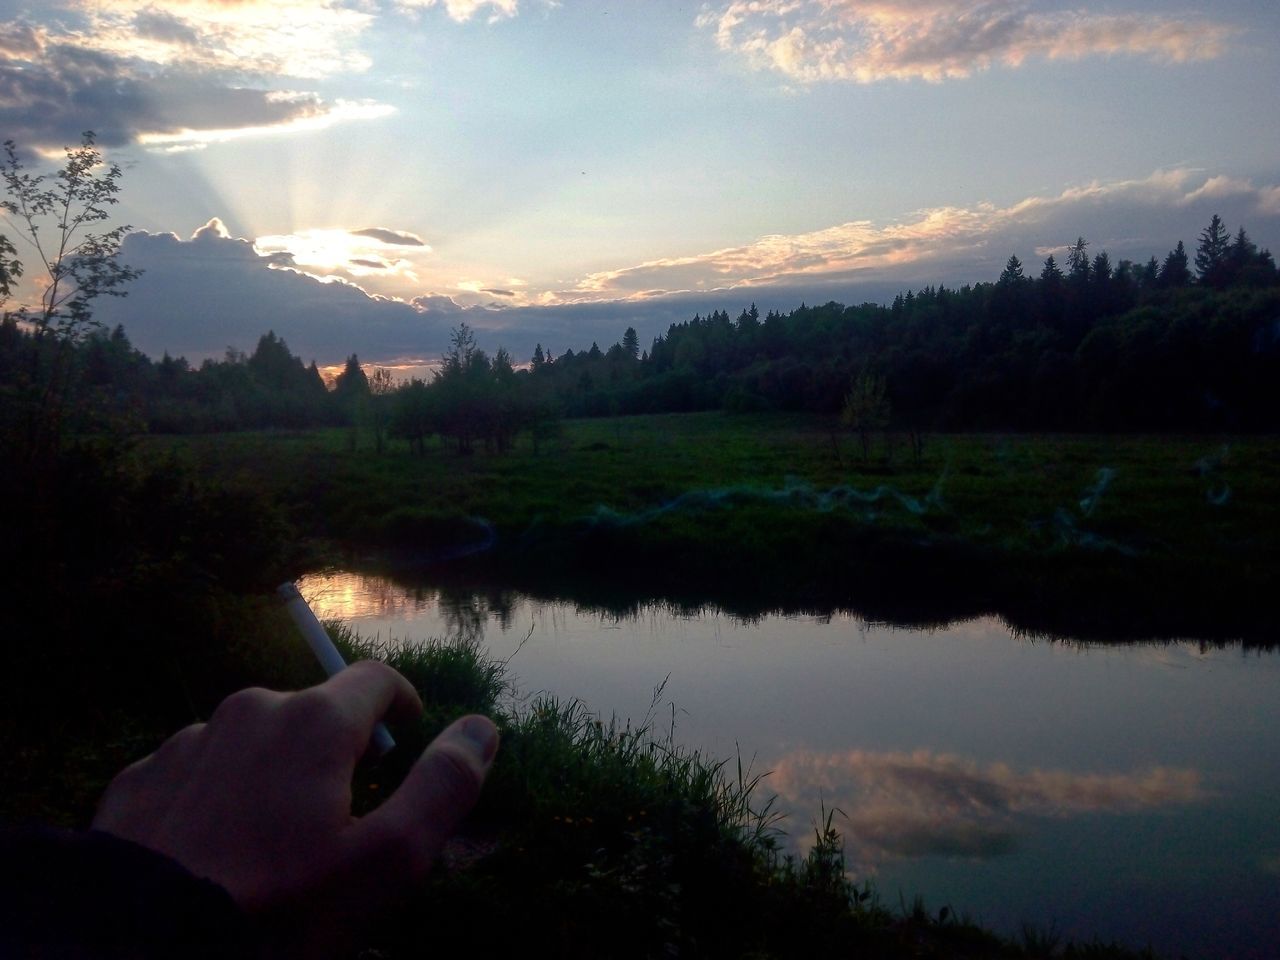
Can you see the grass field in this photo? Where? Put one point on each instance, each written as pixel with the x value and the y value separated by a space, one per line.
pixel 1093 536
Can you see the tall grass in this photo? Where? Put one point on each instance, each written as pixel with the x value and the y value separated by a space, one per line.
pixel 596 838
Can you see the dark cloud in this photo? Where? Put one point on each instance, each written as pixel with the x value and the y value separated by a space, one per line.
pixel 158 25
pixel 51 91
pixel 18 40
pixel 385 235
pixel 437 303
pixel 498 293
pixel 198 296
pixel 370 264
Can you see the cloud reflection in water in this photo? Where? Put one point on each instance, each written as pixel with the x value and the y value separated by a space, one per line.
pixel 909 805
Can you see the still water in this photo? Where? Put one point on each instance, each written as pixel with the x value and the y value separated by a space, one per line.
pixel 1128 792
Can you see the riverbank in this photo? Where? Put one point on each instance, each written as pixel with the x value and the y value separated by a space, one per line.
pixel 604 840
pixel 179 561
pixel 1096 537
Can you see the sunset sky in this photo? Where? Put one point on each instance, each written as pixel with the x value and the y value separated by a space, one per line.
pixel 362 175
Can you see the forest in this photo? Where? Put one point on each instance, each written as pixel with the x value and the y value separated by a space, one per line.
pixel 1191 343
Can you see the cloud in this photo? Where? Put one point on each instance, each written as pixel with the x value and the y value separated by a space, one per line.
pixel 165 28
pixel 189 74
pixel 952 244
pixel 394 237
pixel 498 293
pixel 866 41
pixel 277 38
pixel 198 296
pixel 437 303
pixel 464 10
pixel 907 805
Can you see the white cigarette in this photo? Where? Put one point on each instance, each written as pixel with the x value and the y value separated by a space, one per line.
pixel 330 659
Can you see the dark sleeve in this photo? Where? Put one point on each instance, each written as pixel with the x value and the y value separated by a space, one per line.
pixel 89 894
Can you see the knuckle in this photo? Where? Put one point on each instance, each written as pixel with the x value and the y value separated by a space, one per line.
pixel 243 705
pixel 314 710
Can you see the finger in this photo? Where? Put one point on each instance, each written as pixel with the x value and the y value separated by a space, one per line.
pixel 364 693
pixel 412 825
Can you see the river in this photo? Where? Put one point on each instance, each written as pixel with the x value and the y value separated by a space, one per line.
pixel 1128 792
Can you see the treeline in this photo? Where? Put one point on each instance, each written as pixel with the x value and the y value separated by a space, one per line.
pixel 1087 345
pixel 111 387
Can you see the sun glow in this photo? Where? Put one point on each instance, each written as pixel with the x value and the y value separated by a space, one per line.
pixel 346 251
pixel 341 111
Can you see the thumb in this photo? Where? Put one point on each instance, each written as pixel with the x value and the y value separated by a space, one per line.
pixel 439 791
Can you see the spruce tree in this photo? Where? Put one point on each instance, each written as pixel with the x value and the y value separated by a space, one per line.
pixel 1212 254
pixel 1175 271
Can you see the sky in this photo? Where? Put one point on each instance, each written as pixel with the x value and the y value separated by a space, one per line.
pixel 364 175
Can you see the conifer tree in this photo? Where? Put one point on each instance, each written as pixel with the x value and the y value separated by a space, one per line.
pixel 1012 273
pixel 1212 254
pixel 1175 271
pixel 631 343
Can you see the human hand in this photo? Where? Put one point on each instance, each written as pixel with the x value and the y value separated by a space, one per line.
pixel 259 800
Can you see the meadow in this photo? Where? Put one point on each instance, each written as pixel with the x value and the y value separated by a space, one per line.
pixel 1091 536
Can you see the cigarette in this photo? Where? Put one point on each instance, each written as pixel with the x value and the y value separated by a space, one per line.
pixel 328 655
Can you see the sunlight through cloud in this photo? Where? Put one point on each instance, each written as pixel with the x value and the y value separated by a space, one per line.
pixel 294 38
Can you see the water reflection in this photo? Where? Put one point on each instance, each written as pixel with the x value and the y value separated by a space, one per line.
pixel 354 597
pixel 1119 791
pixel 920 804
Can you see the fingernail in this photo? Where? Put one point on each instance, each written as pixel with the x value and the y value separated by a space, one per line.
pixel 481 734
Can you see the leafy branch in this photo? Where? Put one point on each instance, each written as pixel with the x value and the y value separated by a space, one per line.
pixel 54 213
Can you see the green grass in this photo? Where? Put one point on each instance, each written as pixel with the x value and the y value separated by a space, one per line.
pixel 595 839
pixel 778 511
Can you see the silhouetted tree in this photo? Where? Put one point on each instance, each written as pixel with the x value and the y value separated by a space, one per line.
pixel 54 214
pixel 352 383
pixel 1213 254
pixel 866 408
pixel 381 385
pixel 1078 261
pixel 1012 273
pixel 1176 270
pixel 413 415
pixel 631 343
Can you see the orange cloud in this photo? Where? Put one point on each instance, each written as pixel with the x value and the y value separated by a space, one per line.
pixel 864 250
